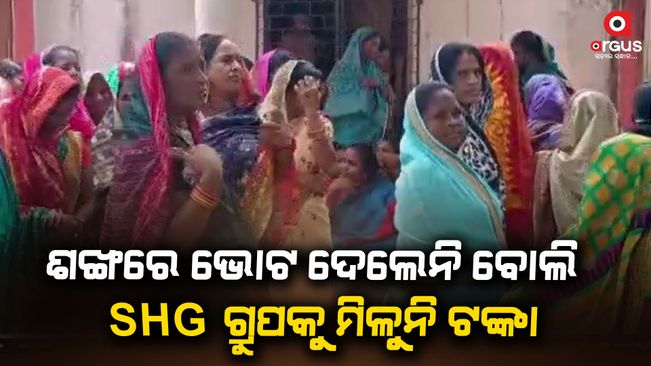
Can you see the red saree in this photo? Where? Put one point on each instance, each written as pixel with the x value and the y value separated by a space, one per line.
pixel 508 135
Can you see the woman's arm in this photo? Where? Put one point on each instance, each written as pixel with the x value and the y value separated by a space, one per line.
pixel 191 219
pixel 86 202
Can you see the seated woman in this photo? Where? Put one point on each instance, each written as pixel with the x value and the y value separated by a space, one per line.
pixel 438 195
pixel 357 101
pixel 293 103
pixel 233 129
pixel 545 100
pixel 265 69
pixel 558 184
pixel 362 204
pixel 50 165
pixel 151 202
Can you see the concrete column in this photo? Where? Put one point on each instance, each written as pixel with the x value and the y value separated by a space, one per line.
pixel 232 18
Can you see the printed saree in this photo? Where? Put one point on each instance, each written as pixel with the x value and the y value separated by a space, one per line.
pixel 441 197
pixel 508 136
pixel 358 114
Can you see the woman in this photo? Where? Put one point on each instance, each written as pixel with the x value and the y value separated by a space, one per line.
pixel 507 133
pixel 462 67
pixel 439 196
pixel 558 185
pixel 235 133
pixel 265 69
pixel 389 159
pixel 545 100
pixel 67 59
pixel 151 203
pixel 98 97
pixel 357 101
pixel 362 204
pixel 293 103
pixel 50 164
pixel 11 74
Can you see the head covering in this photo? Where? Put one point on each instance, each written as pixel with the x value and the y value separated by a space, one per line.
pixel 117 74
pixel 443 68
pixel 545 100
pixel 35 162
pixel 436 186
pixel 138 204
pixel 506 130
pixel 261 71
pixel 550 66
pixel 591 119
pixel 359 114
pixel 80 120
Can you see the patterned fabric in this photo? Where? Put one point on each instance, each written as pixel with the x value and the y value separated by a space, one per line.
pixel 476 150
pixel 614 277
pixel 308 221
pixel 507 134
pixel 545 100
pixel 80 121
pixel 359 114
pixel 46 172
pixel 441 197
pixel 364 220
pixel 138 210
pixel 260 73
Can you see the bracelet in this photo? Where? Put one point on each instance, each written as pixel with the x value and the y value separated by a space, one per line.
pixel 291 146
pixel 203 199
pixel 318 134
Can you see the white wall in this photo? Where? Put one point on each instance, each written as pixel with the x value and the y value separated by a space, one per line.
pixel 233 18
pixel 570 25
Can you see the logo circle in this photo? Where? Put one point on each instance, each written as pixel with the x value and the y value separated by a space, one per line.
pixel 595 46
pixel 617 23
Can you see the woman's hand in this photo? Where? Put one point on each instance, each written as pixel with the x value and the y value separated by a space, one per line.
pixel 275 135
pixel 65 227
pixel 207 164
pixel 309 94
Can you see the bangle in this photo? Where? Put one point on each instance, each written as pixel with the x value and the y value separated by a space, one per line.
pixel 203 199
pixel 318 134
pixel 291 146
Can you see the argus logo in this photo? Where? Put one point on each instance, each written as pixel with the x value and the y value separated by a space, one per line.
pixel 618 23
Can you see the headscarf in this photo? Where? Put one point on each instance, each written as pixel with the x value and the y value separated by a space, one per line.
pixel 591 119
pixel 138 209
pixel 261 71
pixel 36 163
pixel 358 114
pixel 550 67
pixel 476 150
pixel 80 120
pixel 439 196
pixel 506 130
pixel 545 100
pixel 117 74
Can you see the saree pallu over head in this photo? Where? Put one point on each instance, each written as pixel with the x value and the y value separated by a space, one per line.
pixel 359 114
pixel 137 210
pixel 545 99
pixel 590 120
pixel 80 120
pixel 260 73
pixel 614 270
pixel 46 172
pixel 476 151
pixel 257 202
pixel 508 135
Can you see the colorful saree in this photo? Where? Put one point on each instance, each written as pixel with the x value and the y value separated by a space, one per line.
pixel 364 220
pixel 308 219
pixel 545 99
pixel 260 73
pixel 359 114
pixel 614 272
pixel 47 173
pixel 476 151
pixel 507 134
pixel 80 121
pixel 138 205
pixel 441 197
pixel 558 182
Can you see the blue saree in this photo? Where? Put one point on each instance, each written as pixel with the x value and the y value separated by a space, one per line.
pixel 358 114
pixel 440 197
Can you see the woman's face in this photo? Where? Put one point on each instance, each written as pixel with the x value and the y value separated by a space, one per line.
pixel 384 60
pixel 185 81
pixel 98 98
pixel 125 94
pixel 444 121
pixel 225 69
pixel 68 61
pixel 57 119
pixel 354 169
pixel 371 48
pixel 468 80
